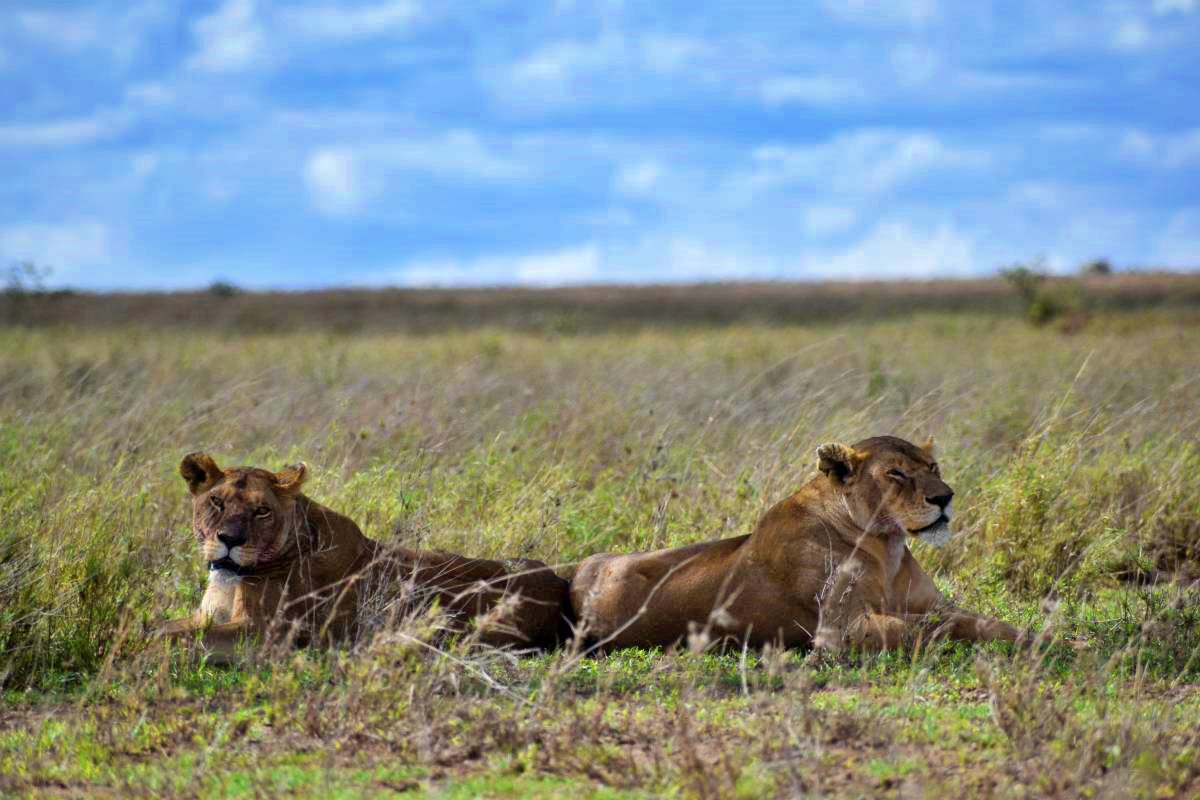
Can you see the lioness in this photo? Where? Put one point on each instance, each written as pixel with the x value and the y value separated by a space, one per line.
pixel 829 565
pixel 275 555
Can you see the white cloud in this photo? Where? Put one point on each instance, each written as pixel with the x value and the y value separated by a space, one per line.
pixel 68 31
pixel 1178 245
pixel 570 265
pixel 1040 195
pixel 150 93
pixel 659 257
pixel 1171 6
pixel 68 248
pixel 992 80
pixel 638 178
pixel 62 132
pixel 1131 35
pixel 611 217
pixel 118 32
pixel 897 250
pixel 865 161
pixel 560 62
pixel 1170 150
pixel 351 22
pixel 691 259
pixel 143 164
pixel 915 65
pixel 229 39
pixel 458 153
pixel 820 90
pixel 894 12
pixel 827 220
pixel 433 274
pixel 559 72
pixel 341 179
pixel 333 183
pixel 668 54
pixel 1073 132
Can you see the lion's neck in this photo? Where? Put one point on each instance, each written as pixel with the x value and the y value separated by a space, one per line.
pixel 862 535
pixel 331 542
pixel 220 602
pixel 895 548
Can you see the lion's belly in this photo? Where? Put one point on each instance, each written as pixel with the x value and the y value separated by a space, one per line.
pixel 220 598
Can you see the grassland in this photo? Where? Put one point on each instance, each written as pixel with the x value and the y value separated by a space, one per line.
pixel 498 426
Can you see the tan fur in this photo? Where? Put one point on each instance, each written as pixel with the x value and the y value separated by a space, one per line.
pixel 829 565
pixel 307 568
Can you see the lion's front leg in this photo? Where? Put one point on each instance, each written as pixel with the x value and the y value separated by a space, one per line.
pixel 928 609
pixel 219 641
pixel 964 626
pixel 876 632
pixel 180 628
pixel 970 627
pixel 841 607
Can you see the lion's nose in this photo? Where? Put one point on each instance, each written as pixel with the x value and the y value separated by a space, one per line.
pixel 941 500
pixel 231 540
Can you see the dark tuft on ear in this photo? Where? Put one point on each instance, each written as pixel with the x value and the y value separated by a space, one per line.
pixel 839 462
pixel 200 472
pixel 289 479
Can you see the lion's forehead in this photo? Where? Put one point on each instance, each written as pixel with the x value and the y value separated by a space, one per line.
pixel 906 461
pixel 248 478
pixel 245 487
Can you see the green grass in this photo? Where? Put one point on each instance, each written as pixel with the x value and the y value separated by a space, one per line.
pixel 1074 459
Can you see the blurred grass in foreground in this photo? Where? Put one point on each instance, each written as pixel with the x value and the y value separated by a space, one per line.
pixel 1075 459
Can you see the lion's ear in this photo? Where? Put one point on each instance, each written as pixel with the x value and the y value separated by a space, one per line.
pixel 290 478
pixel 838 461
pixel 200 472
pixel 928 447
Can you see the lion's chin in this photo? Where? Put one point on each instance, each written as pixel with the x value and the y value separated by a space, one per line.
pixel 936 536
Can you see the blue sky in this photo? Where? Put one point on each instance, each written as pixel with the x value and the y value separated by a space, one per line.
pixel 416 142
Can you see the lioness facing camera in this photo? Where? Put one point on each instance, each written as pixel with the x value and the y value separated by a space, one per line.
pixel 276 556
pixel 829 565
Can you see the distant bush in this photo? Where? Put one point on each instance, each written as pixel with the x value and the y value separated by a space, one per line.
pixel 1040 306
pixel 22 282
pixel 25 278
pixel 221 288
pixel 1099 266
pixel 1044 302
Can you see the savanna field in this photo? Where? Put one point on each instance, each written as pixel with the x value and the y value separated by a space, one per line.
pixel 559 424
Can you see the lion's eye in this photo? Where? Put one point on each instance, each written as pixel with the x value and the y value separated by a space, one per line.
pixel 934 469
pixel 262 512
pixel 216 503
pixel 897 475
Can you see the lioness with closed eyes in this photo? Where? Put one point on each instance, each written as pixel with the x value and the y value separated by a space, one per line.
pixel 829 566
pixel 277 557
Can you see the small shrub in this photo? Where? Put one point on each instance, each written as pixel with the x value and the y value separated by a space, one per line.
pixel 22 282
pixel 221 288
pixel 26 278
pixel 1043 301
pixel 1098 266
